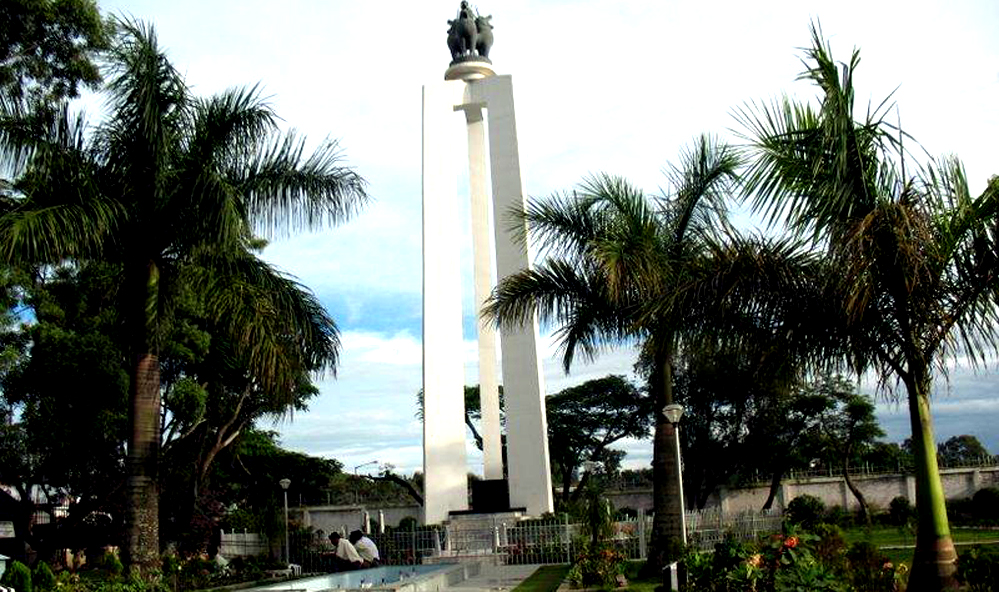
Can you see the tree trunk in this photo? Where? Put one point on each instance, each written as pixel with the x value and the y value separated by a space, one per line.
pixel 666 525
pixel 864 510
pixel 934 563
pixel 142 545
pixel 775 479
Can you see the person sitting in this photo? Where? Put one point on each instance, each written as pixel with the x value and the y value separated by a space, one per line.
pixel 345 556
pixel 365 548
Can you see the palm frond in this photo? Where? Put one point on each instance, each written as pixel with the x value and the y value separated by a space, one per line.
pixel 283 190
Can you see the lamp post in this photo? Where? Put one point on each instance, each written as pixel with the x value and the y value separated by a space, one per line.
pixel 285 484
pixel 370 462
pixel 357 493
pixel 673 412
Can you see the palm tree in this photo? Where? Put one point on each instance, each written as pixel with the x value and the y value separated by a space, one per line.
pixel 173 188
pixel 917 256
pixel 609 252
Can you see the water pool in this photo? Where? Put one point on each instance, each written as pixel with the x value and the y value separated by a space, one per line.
pixel 398 578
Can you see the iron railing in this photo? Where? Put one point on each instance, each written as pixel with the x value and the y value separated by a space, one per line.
pixel 550 540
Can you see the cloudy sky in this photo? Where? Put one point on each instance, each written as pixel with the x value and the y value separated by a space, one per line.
pixel 601 86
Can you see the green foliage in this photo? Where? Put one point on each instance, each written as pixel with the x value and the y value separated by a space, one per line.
pixel 48 48
pixel 901 512
pixel 869 569
pixel 110 563
pixel 978 569
pixel 985 505
pixel 584 420
pixel 597 565
pixel 796 562
pixel 17 576
pixel 42 579
pixel 962 450
pixel 805 511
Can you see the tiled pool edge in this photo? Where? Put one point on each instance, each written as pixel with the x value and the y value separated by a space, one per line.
pixel 436 581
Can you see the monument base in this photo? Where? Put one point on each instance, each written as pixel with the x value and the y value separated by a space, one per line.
pixel 490 495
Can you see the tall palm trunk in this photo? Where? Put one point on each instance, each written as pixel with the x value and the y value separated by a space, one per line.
pixel 142 520
pixel 934 563
pixel 666 527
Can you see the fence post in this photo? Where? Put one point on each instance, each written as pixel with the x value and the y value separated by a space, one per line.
pixel 568 541
pixel 643 549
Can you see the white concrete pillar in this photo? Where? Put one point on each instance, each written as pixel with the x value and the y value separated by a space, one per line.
pixel 523 381
pixel 444 461
pixel 482 222
pixel 527 434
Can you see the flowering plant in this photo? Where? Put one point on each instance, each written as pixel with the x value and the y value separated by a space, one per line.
pixel 597 565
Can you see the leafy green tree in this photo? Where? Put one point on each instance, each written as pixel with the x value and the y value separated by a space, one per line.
pixel 916 256
pixel 610 251
pixel 584 420
pixel 55 441
pixel 850 429
pixel 962 450
pixel 47 49
pixel 171 188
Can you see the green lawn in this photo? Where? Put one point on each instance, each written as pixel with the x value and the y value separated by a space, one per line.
pixel 889 536
pixel 546 579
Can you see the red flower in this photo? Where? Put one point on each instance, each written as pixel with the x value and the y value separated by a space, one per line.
pixel 791 542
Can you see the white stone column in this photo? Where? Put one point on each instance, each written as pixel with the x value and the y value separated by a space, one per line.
pixel 523 382
pixel 482 222
pixel 444 460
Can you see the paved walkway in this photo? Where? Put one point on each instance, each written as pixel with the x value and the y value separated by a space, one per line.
pixel 495 578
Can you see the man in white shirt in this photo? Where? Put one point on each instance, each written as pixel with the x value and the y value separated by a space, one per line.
pixel 365 548
pixel 345 555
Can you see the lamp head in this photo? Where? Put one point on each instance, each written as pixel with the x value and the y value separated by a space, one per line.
pixel 673 413
pixel 285 483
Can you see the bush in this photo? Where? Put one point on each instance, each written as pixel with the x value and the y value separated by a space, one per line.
pixel 978 568
pixel 597 565
pixel 805 511
pixel 830 546
pixel 900 511
pixel 18 577
pixel 43 579
pixel 838 516
pixel 869 569
pixel 961 511
pixel 985 505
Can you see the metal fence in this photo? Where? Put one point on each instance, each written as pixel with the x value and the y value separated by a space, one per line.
pixel 528 541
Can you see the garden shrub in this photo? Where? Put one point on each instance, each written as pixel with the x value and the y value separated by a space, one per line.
pixel 830 545
pixel 985 505
pixel 598 565
pixel 110 563
pixel 900 511
pixel 838 516
pixel 43 579
pixel 18 577
pixel 805 511
pixel 869 569
pixel 961 511
pixel 978 569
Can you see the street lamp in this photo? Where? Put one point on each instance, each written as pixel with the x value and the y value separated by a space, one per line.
pixel 370 462
pixel 285 484
pixel 673 413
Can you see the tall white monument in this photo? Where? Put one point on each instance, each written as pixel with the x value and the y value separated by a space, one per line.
pixel 473 91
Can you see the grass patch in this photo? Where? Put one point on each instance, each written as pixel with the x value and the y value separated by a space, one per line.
pixel 545 579
pixel 889 536
pixel 637 584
